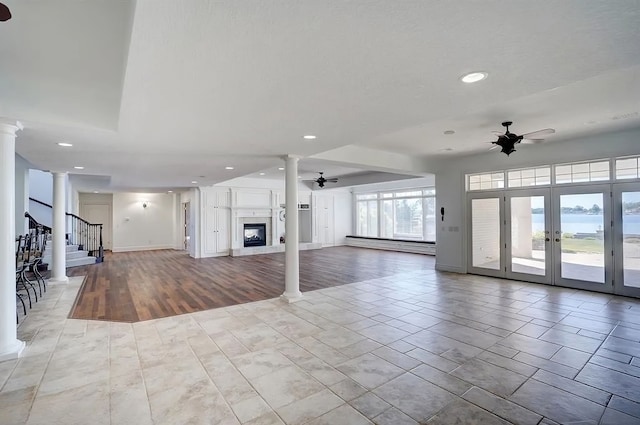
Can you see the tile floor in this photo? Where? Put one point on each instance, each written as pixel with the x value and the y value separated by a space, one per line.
pixel 422 347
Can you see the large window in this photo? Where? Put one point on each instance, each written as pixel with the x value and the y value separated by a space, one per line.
pixel 408 214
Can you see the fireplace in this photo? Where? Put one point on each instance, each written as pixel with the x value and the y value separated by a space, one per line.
pixel 255 234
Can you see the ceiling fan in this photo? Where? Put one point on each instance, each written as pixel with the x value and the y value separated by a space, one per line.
pixel 508 140
pixel 5 13
pixel 322 180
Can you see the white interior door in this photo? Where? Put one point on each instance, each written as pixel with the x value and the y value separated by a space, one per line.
pixel 582 237
pixel 99 213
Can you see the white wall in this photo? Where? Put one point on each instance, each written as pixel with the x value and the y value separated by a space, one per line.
pixel 136 228
pixel 41 188
pixel 22 195
pixel 451 252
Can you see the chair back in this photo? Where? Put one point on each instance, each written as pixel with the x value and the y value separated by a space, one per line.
pixel 18 250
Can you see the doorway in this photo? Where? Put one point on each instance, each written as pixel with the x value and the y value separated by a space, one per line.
pixel 186 238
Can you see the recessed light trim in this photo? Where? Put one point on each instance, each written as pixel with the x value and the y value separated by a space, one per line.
pixel 281 168
pixel 95 191
pixel 474 77
pixel 193 182
pixel 77 167
pixel 65 144
pixel 262 174
pixel 228 168
pixel 169 191
pixel 309 136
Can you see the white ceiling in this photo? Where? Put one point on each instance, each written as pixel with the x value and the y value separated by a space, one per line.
pixel 158 93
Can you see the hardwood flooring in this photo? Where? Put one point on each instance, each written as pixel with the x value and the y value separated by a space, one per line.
pixel 136 286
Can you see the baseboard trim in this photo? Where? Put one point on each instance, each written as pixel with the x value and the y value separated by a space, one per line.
pixel 448 268
pixel 141 248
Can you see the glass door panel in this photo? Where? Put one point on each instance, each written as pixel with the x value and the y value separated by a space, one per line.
pixel 582 237
pixel 528 235
pixel 485 254
pixel 627 240
pixel 631 239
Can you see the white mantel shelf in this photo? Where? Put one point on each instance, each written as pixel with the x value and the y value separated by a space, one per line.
pixel 270 249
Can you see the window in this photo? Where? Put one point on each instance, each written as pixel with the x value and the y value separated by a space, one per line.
pixel 627 168
pixel 486 181
pixel 368 218
pixel 529 177
pixel 584 172
pixel 407 214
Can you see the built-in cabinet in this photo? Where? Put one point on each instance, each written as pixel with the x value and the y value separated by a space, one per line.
pixel 216 219
pixel 224 211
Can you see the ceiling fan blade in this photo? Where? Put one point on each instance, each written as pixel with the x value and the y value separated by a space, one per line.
pixel 498 133
pixel 532 141
pixel 332 180
pixel 493 147
pixel 535 134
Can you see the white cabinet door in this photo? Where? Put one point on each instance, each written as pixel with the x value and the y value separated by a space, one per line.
pixel 324 220
pixel 216 222
pixel 223 198
pixel 223 234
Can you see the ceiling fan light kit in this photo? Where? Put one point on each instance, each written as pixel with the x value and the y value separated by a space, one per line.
pixel 508 140
pixel 5 13
pixel 322 180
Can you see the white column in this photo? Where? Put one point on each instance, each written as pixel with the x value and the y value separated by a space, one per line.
pixel 10 345
pixel 292 261
pixel 59 256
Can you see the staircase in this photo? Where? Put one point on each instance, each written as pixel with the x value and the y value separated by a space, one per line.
pixel 75 256
pixel 84 240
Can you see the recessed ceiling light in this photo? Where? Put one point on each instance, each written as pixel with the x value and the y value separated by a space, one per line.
pixel 169 191
pixel 95 191
pixel 447 132
pixel 65 144
pixel 309 136
pixel 228 168
pixel 474 77
pixel 78 167
pixel 262 174
pixel 193 182
pixel 281 168
pixel 299 177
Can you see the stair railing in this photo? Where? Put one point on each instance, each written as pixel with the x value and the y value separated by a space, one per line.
pixel 33 223
pixel 88 236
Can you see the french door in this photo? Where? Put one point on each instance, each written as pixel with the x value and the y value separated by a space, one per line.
pixel 528 235
pixel 561 236
pixel 626 210
pixel 582 236
pixel 510 235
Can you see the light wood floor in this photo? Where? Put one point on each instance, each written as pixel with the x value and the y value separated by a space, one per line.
pixel 136 286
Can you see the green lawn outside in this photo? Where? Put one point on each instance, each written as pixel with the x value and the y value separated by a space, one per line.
pixel 570 245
